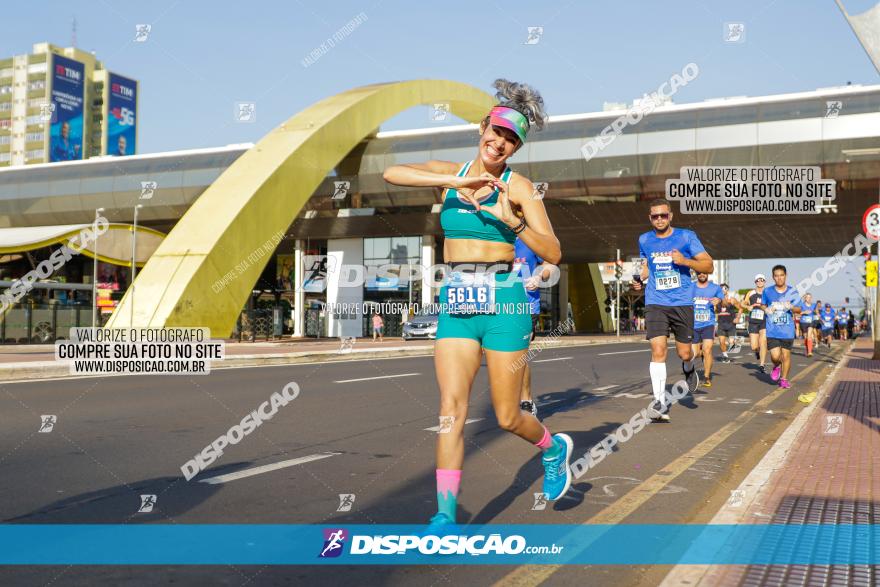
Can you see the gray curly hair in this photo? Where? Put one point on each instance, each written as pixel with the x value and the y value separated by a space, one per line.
pixel 523 98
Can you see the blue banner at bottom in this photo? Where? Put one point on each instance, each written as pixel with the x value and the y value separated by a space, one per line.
pixel 656 544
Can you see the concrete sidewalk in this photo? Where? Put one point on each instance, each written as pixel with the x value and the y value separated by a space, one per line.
pixel 19 362
pixel 824 469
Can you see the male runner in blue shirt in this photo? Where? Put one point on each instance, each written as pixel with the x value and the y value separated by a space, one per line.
pixel 808 309
pixel 706 296
pixel 670 254
pixel 526 262
pixel 828 317
pixel 781 304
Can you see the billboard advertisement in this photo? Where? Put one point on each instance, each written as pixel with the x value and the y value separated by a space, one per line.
pixel 66 129
pixel 121 115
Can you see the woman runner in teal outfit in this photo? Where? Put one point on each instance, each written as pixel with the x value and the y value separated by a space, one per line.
pixel 484 304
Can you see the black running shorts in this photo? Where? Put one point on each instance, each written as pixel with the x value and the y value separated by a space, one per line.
pixel 661 320
pixel 784 343
pixel 726 329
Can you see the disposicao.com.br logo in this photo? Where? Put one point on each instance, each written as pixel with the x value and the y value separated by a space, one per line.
pixel 334 542
pixel 412 544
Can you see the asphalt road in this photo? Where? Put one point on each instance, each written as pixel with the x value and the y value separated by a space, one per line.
pixel 363 428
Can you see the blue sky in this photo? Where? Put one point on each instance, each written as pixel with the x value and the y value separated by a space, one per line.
pixel 202 57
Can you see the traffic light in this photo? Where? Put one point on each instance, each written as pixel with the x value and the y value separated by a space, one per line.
pixel 618 271
pixel 607 305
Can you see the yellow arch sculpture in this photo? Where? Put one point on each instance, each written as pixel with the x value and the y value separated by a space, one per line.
pixel 261 194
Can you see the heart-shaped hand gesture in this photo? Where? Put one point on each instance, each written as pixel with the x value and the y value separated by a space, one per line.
pixel 466 187
pixel 502 210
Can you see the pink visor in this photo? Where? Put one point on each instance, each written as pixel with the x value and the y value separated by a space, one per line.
pixel 510 119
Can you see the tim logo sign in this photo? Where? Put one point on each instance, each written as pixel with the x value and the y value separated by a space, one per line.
pixel 66 72
pixel 334 541
pixel 121 90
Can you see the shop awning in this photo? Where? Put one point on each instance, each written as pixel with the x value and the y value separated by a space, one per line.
pixel 114 246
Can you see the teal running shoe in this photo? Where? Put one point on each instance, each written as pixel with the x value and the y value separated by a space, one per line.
pixel 557 474
pixel 441 525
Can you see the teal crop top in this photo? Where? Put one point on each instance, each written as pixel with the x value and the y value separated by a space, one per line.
pixel 460 219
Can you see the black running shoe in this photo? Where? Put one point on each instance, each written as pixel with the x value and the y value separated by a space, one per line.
pixel 692 379
pixel 529 406
pixel 658 412
pixel 763 369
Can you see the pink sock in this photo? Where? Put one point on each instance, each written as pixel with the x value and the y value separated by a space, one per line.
pixel 546 440
pixel 448 483
pixel 448 480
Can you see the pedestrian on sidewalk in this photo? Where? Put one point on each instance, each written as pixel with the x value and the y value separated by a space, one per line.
pixel 378 326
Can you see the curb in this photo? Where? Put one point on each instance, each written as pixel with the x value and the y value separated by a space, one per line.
pixel 756 482
pixel 31 370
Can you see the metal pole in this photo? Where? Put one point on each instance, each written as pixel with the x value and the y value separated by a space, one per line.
pixel 133 260
pixel 617 269
pixel 409 304
pixel 875 331
pixel 95 270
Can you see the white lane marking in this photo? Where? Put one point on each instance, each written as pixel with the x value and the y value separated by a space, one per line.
pixel 548 360
pixel 605 387
pixel 468 421
pixel 379 377
pixel 266 468
pixel 638 351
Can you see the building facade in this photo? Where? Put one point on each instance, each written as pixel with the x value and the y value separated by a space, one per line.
pixel 61 104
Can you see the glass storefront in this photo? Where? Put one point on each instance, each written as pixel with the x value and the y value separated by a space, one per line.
pixel 389 264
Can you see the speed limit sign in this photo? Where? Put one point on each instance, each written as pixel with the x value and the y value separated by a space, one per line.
pixel 871 222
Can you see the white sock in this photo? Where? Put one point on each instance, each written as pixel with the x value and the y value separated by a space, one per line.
pixel 658 380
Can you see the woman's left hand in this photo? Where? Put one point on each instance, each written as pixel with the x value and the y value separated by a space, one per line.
pixel 502 210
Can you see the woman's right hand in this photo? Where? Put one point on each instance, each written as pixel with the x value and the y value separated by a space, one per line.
pixel 468 186
pixel 475 182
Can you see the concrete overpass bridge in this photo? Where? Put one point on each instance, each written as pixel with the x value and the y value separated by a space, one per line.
pixel 220 204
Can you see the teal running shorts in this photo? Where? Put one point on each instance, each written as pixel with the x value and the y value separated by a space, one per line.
pixel 508 329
